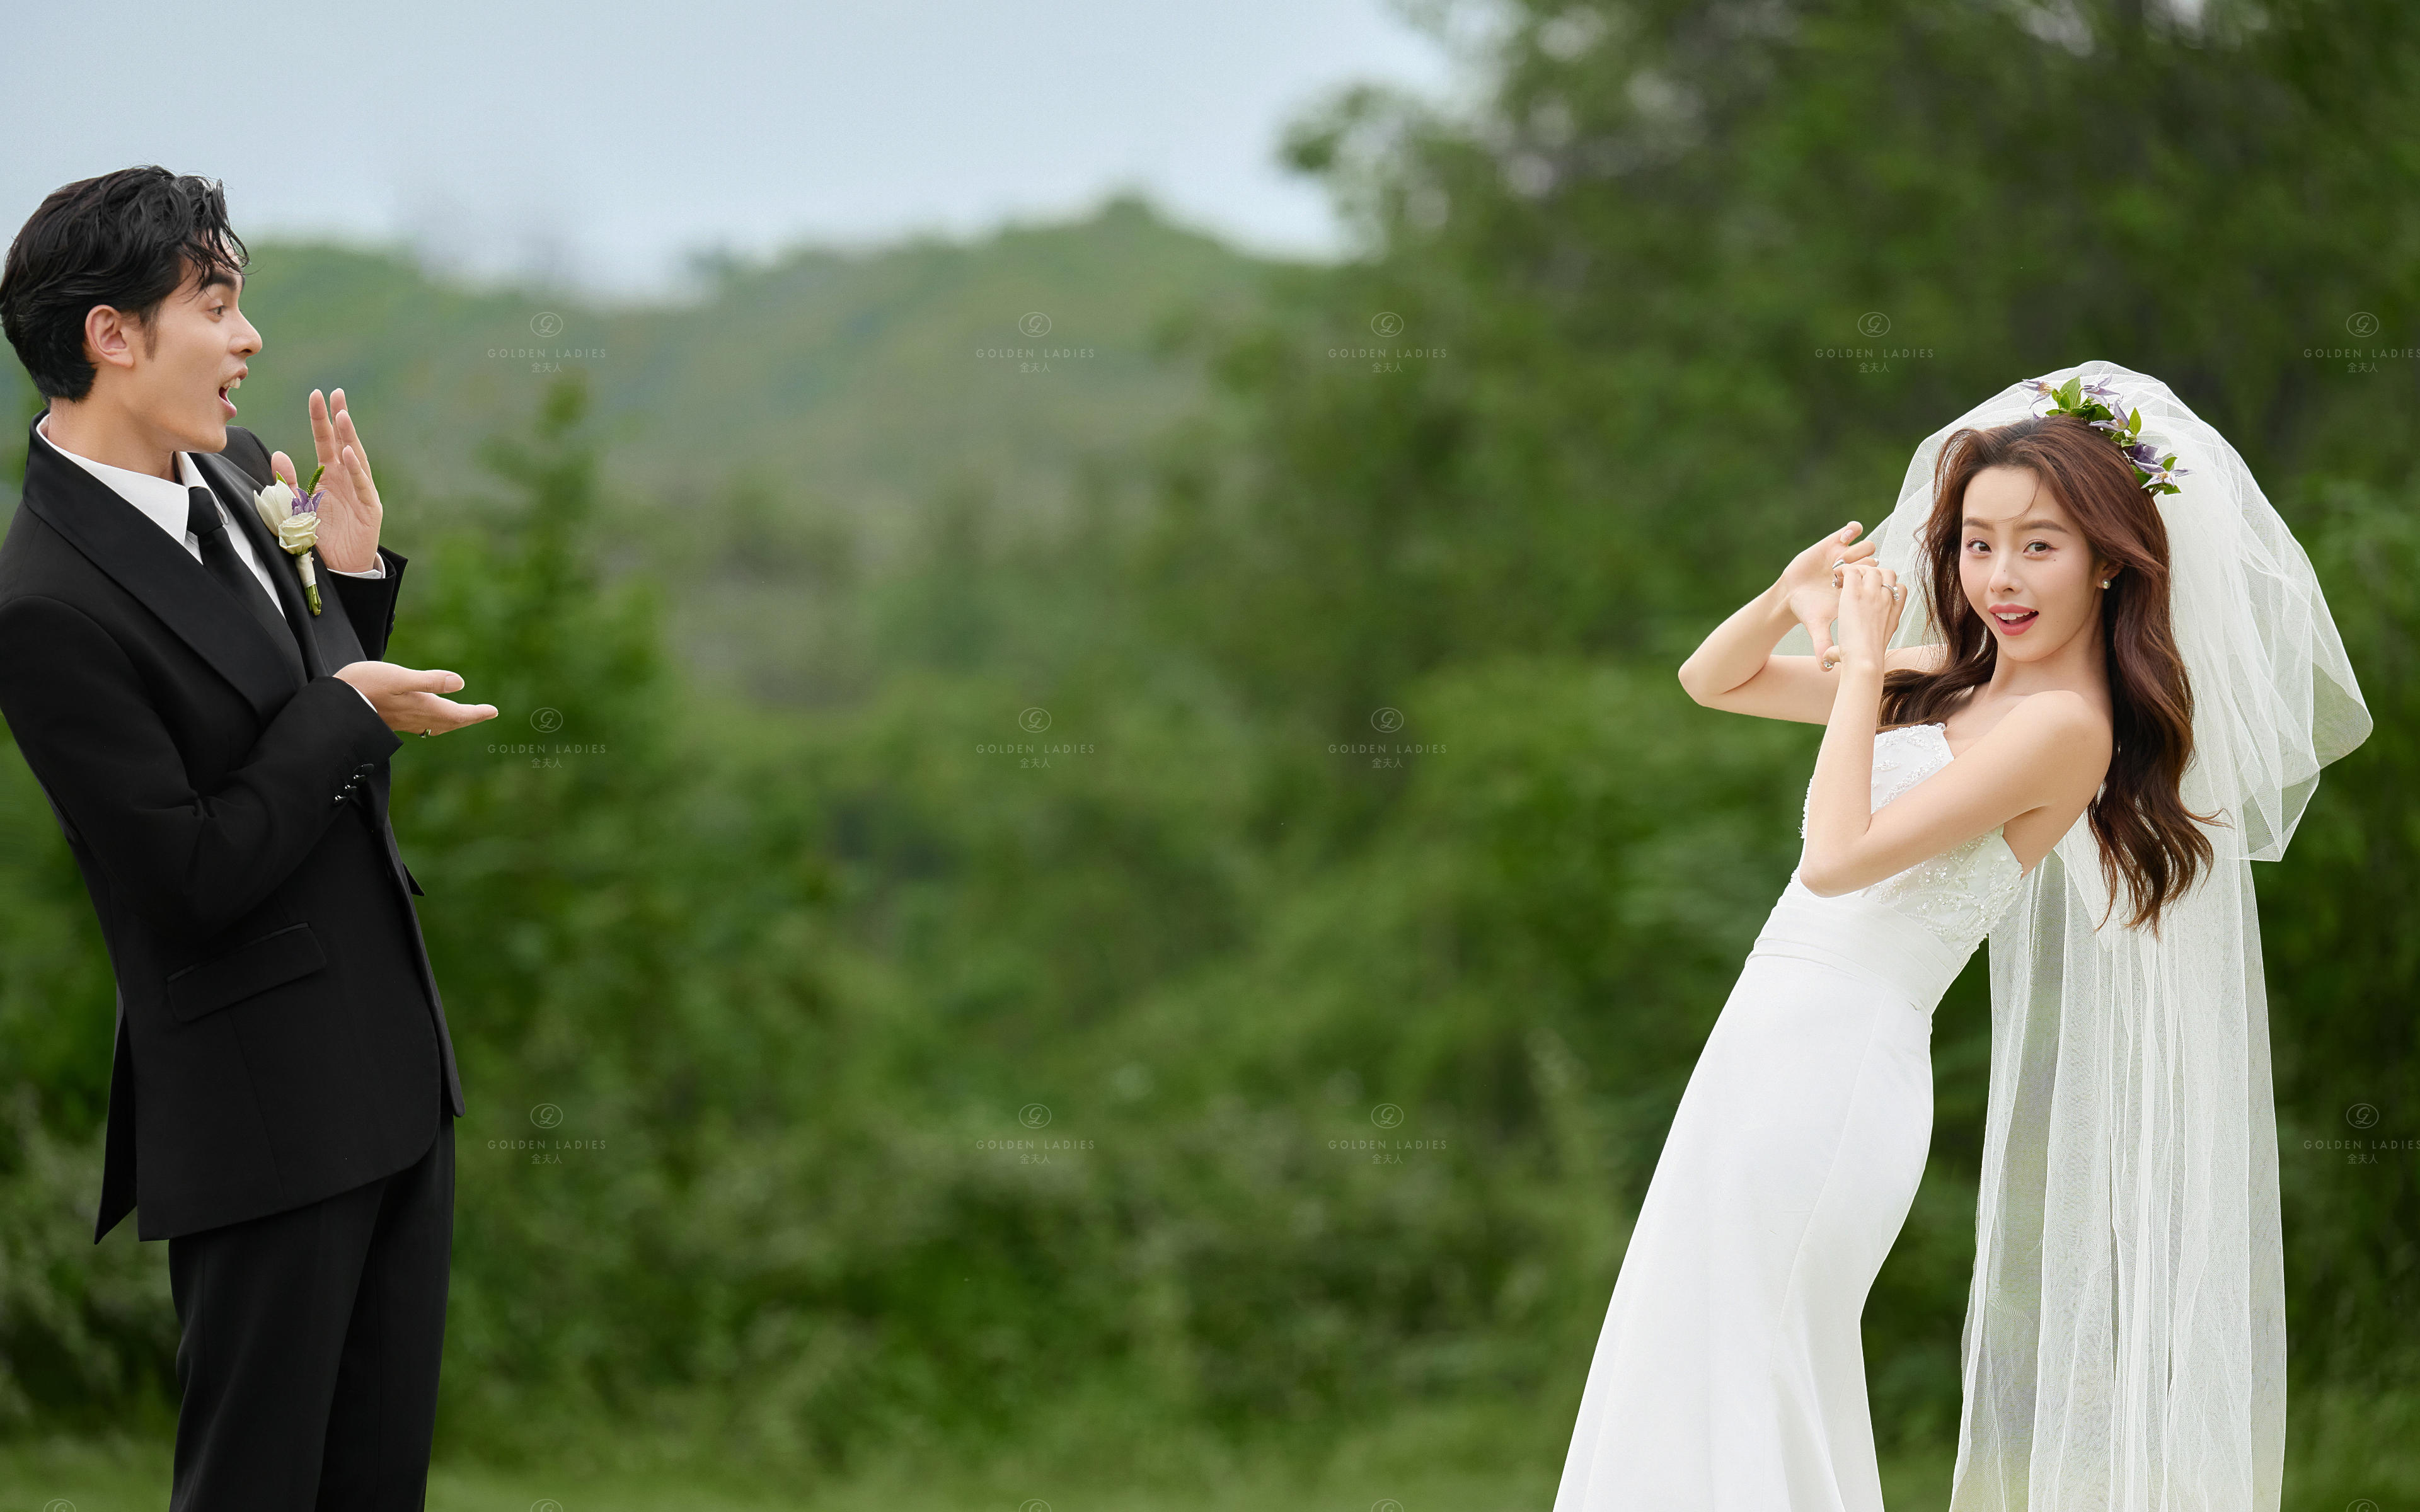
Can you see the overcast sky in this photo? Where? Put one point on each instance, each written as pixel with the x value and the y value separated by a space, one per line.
pixel 604 140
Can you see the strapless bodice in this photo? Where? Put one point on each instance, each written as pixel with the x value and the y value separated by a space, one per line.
pixel 1915 929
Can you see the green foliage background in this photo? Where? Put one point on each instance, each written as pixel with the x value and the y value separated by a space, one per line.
pixel 803 955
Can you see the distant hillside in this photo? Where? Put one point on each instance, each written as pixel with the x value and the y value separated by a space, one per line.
pixel 870 380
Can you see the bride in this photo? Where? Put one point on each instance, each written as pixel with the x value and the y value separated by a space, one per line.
pixel 2118 693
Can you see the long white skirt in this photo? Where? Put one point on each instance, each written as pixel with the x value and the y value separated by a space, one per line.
pixel 1731 1376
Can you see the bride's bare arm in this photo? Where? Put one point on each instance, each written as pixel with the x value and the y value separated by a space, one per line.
pixel 2050 749
pixel 1735 668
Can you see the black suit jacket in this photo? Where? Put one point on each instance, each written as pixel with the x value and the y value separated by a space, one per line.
pixel 280 1035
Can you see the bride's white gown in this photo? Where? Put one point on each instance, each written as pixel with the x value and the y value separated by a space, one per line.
pixel 1731 1377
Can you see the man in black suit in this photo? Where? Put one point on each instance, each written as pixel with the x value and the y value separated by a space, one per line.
pixel 283 1089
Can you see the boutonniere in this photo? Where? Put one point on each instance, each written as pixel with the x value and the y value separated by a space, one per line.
pixel 293 514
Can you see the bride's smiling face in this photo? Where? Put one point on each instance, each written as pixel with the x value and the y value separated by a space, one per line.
pixel 2026 566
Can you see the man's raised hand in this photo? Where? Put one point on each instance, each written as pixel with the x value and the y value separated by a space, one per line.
pixel 410 701
pixel 350 511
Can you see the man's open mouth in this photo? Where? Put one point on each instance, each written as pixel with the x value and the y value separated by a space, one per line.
pixel 228 386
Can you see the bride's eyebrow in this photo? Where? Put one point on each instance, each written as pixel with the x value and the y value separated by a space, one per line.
pixel 1973 524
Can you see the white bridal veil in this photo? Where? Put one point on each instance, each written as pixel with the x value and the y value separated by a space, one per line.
pixel 2125 1339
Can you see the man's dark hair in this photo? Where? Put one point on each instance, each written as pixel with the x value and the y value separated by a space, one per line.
pixel 127 239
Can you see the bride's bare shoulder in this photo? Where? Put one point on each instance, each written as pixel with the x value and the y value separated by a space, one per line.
pixel 2070 724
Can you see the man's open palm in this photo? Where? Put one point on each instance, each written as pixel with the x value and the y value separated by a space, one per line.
pixel 412 701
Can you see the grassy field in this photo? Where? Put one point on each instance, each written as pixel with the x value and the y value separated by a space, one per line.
pixel 1363 1473
pixel 125 1477
pixel 2348 1452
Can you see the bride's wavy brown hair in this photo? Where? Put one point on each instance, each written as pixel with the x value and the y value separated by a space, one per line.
pixel 2148 840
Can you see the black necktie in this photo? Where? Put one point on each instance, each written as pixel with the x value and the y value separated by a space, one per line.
pixel 218 554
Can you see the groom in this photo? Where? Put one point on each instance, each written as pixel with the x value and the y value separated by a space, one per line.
pixel 283 1089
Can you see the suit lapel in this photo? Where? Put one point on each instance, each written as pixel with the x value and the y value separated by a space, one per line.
pixel 327 638
pixel 138 555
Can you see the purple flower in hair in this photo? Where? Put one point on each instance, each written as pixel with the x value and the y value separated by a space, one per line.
pixel 2099 404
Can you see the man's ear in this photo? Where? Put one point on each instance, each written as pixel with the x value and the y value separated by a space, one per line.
pixel 109 335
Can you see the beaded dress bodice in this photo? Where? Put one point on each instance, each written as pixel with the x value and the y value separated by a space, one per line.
pixel 1959 894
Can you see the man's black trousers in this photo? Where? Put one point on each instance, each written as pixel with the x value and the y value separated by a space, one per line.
pixel 310 1347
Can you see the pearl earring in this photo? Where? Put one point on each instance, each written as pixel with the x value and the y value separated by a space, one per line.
pixel 2104 582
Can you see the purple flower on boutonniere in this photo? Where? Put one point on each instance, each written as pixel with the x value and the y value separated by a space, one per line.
pixel 293 515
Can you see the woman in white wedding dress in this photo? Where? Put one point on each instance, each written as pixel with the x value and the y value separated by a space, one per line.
pixel 2045 687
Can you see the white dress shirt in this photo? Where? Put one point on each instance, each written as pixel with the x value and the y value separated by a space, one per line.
pixel 169 506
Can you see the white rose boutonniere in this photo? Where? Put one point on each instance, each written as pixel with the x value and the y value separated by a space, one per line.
pixel 293 514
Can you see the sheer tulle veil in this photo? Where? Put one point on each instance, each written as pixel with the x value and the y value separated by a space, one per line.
pixel 2125 1337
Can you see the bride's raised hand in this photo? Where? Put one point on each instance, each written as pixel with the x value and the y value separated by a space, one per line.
pixel 1810 585
pixel 1871 598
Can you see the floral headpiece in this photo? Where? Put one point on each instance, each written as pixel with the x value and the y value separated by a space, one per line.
pixel 2096 404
